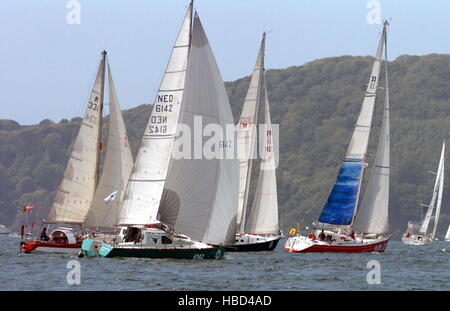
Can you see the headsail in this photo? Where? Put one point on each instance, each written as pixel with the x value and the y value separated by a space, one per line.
pixel 343 199
pixel 76 190
pixel 146 184
pixel 116 169
pixel 263 217
pixel 200 195
pixel 447 235
pixel 372 216
pixel 436 190
pixel 246 135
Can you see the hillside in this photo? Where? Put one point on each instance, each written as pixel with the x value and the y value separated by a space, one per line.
pixel 316 106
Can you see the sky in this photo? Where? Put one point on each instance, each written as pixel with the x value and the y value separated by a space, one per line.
pixel 47 65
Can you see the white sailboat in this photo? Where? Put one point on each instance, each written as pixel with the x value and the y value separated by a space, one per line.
pixel 79 202
pixel 260 231
pixel 411 236
pixel 342 227
pixel 180 207
pixel 4 230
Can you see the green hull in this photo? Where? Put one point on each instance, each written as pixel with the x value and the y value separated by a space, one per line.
pixel 176 253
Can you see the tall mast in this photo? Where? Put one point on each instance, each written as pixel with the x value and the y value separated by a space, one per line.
pixel 100 119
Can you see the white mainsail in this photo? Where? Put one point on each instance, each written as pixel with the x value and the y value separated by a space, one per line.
pixel 76 190
pixel 441 188
pixel 436 191
pixel 146 183
pixel 372 216
pixel 116 169
pixel 263 217
pixel 246 135
pixel 200 196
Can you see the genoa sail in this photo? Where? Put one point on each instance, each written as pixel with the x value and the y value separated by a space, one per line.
pixel 146 184
pixel 76 190
pixel 246 135
pixel 116 169
pixel 200 196
pixel 263 216
pixel 343 198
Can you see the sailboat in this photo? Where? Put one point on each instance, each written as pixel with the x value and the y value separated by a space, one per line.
pixel 180 206
pixel 79 204
pixel 4 230
pixel 260 231
pixel 341 226
pixel 411 236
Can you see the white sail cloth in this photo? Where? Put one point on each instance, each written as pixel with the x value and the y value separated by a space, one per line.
pixel 246 135
pixel 263 216
pixel 116 169
pixel 201 193
pixel 146 184
pixel 372 215
pixel 76 190
pixel 441 188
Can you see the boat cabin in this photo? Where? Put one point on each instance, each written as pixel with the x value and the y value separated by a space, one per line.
pixel 63 235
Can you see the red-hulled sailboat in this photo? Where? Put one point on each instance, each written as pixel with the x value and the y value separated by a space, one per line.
pixel 342 227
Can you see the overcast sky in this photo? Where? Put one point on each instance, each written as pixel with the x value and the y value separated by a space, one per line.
pixel 47 66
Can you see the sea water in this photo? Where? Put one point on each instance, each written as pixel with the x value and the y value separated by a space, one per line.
pixel 400 267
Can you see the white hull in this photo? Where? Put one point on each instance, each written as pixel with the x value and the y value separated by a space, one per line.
pixel 416 240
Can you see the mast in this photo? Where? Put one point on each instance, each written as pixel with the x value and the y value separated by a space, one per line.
pixel 247 134
pixel 100 121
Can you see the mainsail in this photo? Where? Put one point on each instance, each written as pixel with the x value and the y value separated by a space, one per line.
pixel 372 216
pixel 116 169
pixel 343 199
pixel 436 193
pixel 246 135
pixel 146 183
pixel 447 235
pixel 76 190
pixel 441 188
pixel 263 217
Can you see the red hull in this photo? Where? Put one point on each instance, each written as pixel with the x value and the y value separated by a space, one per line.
pixel 29 246
pixel 365 248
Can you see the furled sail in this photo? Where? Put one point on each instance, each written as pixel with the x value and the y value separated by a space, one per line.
pixel 343 199
pixel 372 216
pixel 436 189
pixel 201 193
pixel 246 135
pixel 76 190
pixel 441 188
pixel 263 216
pixel 146 183
pixel 116 169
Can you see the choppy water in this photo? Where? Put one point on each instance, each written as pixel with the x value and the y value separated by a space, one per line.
pixel 403 267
